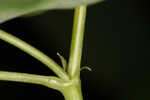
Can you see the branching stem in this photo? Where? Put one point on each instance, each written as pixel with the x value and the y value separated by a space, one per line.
pixel 35 53
pixel 69 84
pixel 49 81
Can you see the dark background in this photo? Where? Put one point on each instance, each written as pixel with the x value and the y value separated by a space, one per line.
pixel 116 46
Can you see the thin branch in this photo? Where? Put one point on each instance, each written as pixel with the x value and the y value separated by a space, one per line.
pixel 77 41
pixel 49 81
pixel 35 53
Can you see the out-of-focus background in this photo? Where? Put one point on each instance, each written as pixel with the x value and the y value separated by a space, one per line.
pixel 116 47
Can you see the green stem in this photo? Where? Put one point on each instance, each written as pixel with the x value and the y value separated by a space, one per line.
pixel 69 86
pixel 49 81
pixel 73 91
pixel 77 41
pixel 35 53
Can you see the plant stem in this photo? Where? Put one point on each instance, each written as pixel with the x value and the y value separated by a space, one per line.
pixel 73 91
pixel 35 53
pixel 49 81
pixel 69 85
pixel 77 41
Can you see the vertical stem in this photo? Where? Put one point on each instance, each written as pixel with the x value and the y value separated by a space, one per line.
pixel 73 92
pixel 77 41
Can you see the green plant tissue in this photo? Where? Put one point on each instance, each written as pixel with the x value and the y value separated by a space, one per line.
pixel 10 9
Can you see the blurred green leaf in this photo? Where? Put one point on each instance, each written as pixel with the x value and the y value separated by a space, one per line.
pixel 10 9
